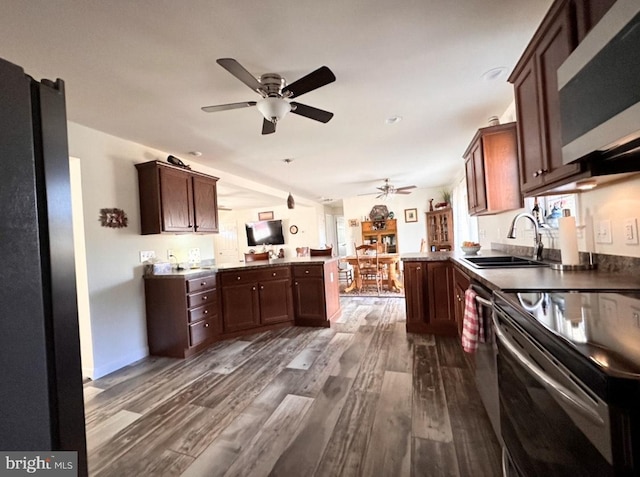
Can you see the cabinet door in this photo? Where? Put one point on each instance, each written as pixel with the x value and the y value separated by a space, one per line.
pixel 416 296
pixel 176 195
pixel 309 298
pixel 460 284
pixel 205 204
pixel 588 13
pixel 471 184
pixel 275 301
pixel 240 307
pixel 440 279
pixel 553 50
pixel 529 128
pixel 478 176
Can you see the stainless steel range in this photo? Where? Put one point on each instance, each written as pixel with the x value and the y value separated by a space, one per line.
pixel 569 382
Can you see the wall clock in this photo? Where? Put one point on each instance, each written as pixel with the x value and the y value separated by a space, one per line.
pixel 293 229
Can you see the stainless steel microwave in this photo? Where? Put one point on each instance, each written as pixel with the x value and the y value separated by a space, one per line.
pixel 599 88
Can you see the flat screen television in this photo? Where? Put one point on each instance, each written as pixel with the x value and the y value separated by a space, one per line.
pixel 265 232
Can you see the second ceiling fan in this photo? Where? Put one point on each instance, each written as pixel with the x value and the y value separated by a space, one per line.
pixel 388 190
pixel 276 93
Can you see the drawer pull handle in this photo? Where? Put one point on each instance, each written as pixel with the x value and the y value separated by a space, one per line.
pixel 274 274
pixel 204 297
pixel 206 311
pixel 203 284
pixel 206 325
pixel 306 271
pixel 238 278
pixel 253 288
pixel 261 287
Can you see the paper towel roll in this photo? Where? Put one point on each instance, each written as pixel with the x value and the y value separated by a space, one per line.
pixel 568 240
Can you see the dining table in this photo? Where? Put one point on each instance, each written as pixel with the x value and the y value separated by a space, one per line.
pixel 392 263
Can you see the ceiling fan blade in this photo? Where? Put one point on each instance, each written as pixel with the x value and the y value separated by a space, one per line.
pixel 311 112
pixel 405 188
pixel 239 71
pixel 405 192
pixel 314 80
pixel 225 107
pixel 268 127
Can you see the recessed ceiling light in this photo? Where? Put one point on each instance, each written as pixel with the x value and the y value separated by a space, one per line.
pixel 195 153
pixel 393 119
pixel 494 73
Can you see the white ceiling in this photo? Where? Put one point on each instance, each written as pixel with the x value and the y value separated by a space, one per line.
pixel 141 70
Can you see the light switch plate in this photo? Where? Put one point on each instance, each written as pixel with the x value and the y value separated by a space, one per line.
pixel 631 231
pixel 146 255
pixel 603 232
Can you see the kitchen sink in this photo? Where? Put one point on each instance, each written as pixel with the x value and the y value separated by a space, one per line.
pixel 503 262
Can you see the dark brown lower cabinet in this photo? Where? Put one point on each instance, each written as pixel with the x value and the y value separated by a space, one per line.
pixel 316 293
pixel 255 298
pixel 461 282
pixel 429 297
pixel 182 314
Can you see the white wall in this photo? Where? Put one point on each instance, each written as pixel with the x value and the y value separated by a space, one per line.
pixel 409 234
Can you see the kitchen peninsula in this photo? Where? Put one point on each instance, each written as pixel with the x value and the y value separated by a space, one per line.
pixel 188 310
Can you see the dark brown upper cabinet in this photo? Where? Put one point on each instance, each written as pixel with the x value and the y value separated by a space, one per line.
pixel 491 166
pixel 536 93
pixel 176 200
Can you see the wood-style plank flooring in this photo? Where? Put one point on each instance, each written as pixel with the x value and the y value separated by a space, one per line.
pixel 362 398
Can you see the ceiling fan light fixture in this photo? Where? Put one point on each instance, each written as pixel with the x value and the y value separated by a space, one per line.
pixel 273 109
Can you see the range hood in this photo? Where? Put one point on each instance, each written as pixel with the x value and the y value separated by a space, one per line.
pixel 599 88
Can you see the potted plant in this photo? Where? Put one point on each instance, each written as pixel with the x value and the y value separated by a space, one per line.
pixel 446 200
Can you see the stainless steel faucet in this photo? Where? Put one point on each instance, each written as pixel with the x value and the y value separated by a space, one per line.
pixel 537 237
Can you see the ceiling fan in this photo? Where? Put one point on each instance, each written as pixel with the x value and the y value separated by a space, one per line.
pixel 275 92
pixel 388 190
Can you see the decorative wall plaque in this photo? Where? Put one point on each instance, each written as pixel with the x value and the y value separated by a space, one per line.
pixel 114 218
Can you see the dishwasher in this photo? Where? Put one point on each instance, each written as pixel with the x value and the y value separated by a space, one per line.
pixel 569 374
pixel 486 372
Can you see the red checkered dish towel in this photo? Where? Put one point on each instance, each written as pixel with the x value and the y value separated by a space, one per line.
pixel 472 326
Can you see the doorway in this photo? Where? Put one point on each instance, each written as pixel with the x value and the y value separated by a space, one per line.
pixel 226 243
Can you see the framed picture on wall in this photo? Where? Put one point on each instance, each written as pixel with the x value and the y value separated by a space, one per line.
pixel 265 215
pixel 410 215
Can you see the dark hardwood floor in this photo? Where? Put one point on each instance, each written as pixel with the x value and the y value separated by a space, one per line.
pixel 362 398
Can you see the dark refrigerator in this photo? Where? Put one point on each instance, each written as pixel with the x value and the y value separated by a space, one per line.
pixel 41 401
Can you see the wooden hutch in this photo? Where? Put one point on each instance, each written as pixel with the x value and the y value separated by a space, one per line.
pixel 440 229
pixel 384 233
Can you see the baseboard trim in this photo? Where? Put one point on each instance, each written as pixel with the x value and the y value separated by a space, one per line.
pixel 107 368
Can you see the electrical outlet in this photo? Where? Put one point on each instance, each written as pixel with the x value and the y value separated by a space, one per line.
pixel 194 255
pixel 146 255
pixel 631 231
pixel 603 233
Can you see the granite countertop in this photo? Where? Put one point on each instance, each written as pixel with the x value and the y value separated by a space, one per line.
pixel 533 279
pixel 208 270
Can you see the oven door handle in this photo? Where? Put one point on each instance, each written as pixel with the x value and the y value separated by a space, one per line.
pixel 551 384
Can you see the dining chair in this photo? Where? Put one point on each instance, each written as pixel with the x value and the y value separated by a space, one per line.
pixel 255 257
pixel 345 271
pixel 368 265
pixel 321 252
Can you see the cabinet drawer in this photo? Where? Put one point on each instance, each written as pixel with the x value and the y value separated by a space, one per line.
pixel 273 274
pixel 253 276
pixel 202 298
pixel 201 331
pixel 307 271
pixel 202 283
pixel 203 312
